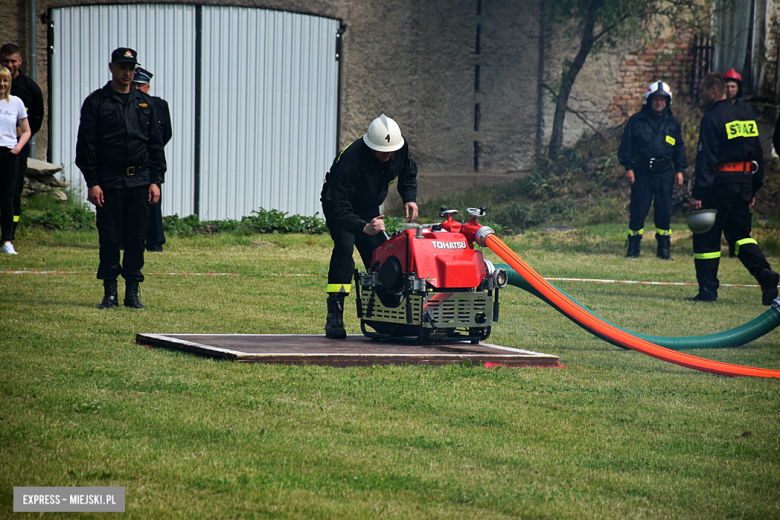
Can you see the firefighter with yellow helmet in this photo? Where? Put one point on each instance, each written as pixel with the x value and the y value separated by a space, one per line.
pixel 355 187
pixel 729 172
pixel 653 154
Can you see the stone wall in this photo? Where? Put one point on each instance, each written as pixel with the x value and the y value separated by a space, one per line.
pixel 417 62
pixel 667 59
pixel 768 77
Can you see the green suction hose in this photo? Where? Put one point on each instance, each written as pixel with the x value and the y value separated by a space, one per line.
pixel 735 337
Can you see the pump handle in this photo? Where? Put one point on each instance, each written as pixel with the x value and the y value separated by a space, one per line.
pixel 476 212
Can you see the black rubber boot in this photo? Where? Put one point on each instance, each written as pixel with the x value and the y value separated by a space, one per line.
pixel 702 297
pixel 110 298
pixel 633 246
pixel 707 276
pixel 664 246
pixel 334 324
pixel 131 295
pixel 768 281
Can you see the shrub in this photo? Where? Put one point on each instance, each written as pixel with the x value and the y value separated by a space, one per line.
pixel 515 215
pixel 54 219
pixel 394 225
pixel 81 217
pixel 182 226
pixel 226 226
pixel 275 221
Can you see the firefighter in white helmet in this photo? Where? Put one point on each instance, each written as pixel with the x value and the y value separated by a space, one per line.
pixel 355 187
pixel 653 154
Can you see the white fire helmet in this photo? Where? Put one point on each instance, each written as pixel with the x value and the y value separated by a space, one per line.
pixel 384 135
pixel 658 88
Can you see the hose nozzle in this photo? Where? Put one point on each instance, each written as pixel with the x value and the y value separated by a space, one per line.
pixel 482 234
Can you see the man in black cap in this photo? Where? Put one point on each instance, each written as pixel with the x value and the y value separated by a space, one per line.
pixel 120 153
pixel 28 91
pixel 141 81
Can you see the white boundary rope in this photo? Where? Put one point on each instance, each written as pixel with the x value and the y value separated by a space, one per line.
pixel 596 280
pixel 170 274
pixel 592 280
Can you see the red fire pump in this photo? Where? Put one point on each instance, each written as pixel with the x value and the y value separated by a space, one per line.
pixel 428 284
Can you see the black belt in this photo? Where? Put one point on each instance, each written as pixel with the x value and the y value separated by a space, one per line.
pixel 651 164
pixel 128 171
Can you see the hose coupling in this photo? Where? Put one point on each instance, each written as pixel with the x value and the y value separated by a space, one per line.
pixel 482 234
pixel 776 304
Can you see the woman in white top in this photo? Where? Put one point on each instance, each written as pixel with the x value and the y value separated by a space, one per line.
pixel 12 115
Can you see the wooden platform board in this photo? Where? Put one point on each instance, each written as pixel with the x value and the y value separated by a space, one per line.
pixel 356 350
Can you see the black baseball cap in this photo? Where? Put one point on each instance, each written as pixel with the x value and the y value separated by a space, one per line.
pixel 124 55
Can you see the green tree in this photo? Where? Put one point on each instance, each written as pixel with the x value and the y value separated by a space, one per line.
pixel 606 23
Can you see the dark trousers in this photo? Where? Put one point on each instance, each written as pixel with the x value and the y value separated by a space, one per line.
pixel 155 238
pixel 342 266
pixel 734 220
pixel 23 155
pixel 9 170
pixel 649 185
pixel 124 217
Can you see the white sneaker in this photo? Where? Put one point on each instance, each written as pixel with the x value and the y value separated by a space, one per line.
pixel 8 248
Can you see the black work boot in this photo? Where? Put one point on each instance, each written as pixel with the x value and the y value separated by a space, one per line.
pixel 703 296
pixel 131 295
pixel 633 246
pixel 707 276
pixel 334 324
pixel 664 246
pixel 110 298
pixel 768 280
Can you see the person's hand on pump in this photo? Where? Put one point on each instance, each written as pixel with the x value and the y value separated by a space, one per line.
pixel 376 226
pixel 410 207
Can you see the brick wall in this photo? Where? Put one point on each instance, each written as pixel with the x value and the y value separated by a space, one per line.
pixel 667 59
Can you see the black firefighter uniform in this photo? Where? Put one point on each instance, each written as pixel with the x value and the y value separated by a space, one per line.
pixel 729 172
pixel 355 187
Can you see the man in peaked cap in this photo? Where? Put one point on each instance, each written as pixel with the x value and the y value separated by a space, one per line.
pixel 142 81
pixel 120 154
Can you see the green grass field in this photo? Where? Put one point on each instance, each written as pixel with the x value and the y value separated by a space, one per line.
pixel 614 434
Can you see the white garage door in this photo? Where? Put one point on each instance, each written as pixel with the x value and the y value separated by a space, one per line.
pixel 266 99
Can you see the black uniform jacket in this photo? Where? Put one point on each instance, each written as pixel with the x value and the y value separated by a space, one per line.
pixel 114 136
pixel 744 107
pixel 776 137
pixel 357 185
pixel 641 141
pixel 725 136
pixel 163 118
pixel 30 94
